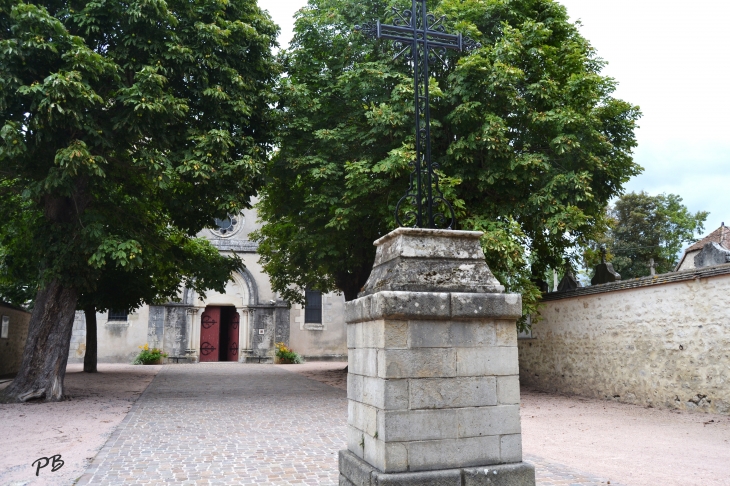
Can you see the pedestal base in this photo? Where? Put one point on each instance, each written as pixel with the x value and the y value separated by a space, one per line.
pixel 356 472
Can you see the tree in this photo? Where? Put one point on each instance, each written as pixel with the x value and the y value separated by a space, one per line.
pixel 172 262
pixel 651 227
pixel 127 126
pixel 530 142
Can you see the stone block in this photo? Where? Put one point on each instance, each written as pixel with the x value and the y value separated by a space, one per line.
pixel 452 392
pixel 508 390
pixel 386 457
pixel 489 361
pixel 451 453
pixel 449 477
pixel 355 388
pixel 441 275
pixel 417 243
pixel 371 334
pixel 354 332
pixel 444 334
pixel 346 482
pixel 484 421
pixel 506 333
pixel 354 310
pixel 510 449
pixel 362 417
pixel 378 334
pixel 409 305
pixel 414 425
pixel 354 469
pixel 417 363
pixel 395 334
pixel 483 305
pixel 418 260
pixel 355 441
pixel 521 474
pixel 386 394
pixel 363 361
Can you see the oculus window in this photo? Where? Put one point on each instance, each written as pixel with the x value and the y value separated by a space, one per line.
pixel 227 227
pixel 313 306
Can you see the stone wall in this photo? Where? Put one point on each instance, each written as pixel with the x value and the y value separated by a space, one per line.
pixel 117 341
pixel 325 341
pixel 661 342
pixel 11 348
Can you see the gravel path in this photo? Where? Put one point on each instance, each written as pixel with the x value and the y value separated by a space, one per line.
pixel 75 429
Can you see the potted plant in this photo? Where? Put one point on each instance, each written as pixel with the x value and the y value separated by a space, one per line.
pixel 284 355
pixel 149 356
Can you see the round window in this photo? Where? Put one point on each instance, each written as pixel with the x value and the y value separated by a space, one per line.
pixel 227 227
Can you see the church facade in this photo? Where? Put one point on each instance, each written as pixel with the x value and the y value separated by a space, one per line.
pixel 242 324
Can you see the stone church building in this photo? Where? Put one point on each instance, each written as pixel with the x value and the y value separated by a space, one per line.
pixel 242 324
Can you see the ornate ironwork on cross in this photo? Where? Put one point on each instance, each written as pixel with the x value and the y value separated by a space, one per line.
pixel 424 39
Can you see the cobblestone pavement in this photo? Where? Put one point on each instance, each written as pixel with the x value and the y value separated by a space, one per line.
pixel 227 423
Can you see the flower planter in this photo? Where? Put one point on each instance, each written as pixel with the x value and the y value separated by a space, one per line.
pixel 155 362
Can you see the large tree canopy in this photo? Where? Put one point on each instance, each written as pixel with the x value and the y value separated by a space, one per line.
pixel 530 142
pixel 125 127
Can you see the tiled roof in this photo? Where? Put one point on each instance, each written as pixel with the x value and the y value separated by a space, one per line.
pixel 664 278
pixel 720 235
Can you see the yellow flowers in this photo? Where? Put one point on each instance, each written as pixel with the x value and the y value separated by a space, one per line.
pixel 149 356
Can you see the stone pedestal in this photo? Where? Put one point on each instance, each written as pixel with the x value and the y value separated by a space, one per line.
pixel 433 384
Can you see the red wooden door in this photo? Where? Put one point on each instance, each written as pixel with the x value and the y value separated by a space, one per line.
pixel 233 325
pixel 210 327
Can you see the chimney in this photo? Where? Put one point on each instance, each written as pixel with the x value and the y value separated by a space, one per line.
pixel 722 233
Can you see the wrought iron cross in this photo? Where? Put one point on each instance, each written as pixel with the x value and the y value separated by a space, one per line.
pixel 424 39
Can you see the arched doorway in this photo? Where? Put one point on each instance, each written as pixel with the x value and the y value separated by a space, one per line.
pixel 219 334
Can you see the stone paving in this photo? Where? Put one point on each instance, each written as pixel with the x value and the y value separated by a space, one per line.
pixel 227 423
pixel 553 474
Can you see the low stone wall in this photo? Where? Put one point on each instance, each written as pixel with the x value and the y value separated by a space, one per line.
pixel 11 347
pixel 659 341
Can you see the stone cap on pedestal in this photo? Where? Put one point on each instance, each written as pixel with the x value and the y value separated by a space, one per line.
pixel 434 306
pixel 430 260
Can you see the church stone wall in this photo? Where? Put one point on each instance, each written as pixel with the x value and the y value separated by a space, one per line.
pixel 325 341
pixel 117 341
pixel 665 345
pixel 11 347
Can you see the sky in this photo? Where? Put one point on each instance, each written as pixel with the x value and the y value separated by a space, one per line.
pixel 669 57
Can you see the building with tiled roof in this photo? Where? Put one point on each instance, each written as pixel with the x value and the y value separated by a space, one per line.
pixel 720 236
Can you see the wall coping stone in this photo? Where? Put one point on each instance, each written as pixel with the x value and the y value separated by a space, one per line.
pixel 633 283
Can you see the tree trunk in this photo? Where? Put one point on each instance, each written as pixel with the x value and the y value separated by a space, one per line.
pixel 90 356
pixel 46 348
